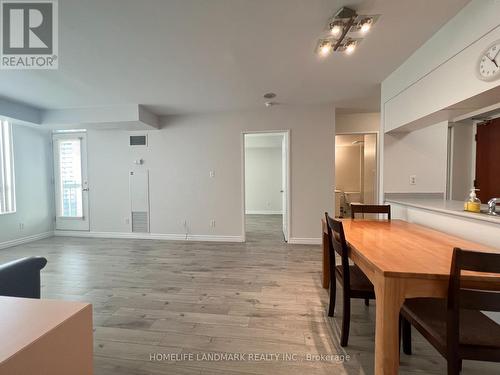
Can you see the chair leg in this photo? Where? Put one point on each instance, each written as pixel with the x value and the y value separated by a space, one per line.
pixel 406 336
pixel 333 296
pixel 454 366
pixel 346 320
pixel 367 302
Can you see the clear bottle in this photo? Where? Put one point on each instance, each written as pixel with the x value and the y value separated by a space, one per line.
pixel 473 203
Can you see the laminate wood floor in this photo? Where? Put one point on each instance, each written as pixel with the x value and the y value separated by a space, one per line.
pixel 190 298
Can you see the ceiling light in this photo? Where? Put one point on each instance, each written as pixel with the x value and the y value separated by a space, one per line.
pixel 325 48
pixel 365 25
pixel 344 31
pixel 270 95
pixel 336 28
pixel 350 47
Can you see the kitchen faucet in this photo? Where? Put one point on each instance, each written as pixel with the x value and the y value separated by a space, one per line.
pixel 492 206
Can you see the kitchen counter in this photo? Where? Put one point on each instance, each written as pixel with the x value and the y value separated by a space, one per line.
pixel 449 207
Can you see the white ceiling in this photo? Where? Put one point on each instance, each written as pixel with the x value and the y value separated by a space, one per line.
pixel 186 56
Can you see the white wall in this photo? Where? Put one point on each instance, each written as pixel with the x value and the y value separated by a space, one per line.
pixel 348 168
pixel 263 180
pixel 475 20
pixel 370 169
pixel 357 122
pixel 439 74
pixel 181 155
pixel 422 153
pixel 34 190
pixel 462 168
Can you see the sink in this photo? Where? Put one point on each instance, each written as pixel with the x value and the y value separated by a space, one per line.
pixel 491 214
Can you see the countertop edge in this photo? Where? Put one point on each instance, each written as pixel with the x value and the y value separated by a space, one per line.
pixel 430 207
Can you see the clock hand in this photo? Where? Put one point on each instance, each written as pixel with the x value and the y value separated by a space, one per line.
pixel 496 54
pixel 493 60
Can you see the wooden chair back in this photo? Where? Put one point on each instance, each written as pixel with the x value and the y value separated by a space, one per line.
pixel 338 244
pixel 370 209
pixel 468 298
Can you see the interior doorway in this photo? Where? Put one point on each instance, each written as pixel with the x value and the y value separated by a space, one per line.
pixel 356 173
pixel 266 185
pixel 488 160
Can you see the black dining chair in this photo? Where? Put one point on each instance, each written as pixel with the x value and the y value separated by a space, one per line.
pixel 354 282
pixel 21 278
pixel 383 209
pixel 456 326
pixel 370 209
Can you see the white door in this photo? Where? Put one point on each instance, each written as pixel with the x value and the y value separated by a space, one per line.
pixel 284 184
pixel 70 178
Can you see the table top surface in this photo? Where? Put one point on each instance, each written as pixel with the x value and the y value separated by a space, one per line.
pixel 400 249
pixel 25 320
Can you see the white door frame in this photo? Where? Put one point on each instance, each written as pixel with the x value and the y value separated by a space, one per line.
pixel 286 134
pixel 377 185
pixel 72 223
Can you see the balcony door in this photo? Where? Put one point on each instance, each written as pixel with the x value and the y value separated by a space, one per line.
pixel 70 178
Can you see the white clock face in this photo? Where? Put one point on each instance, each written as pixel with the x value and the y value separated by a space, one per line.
pixel 488 67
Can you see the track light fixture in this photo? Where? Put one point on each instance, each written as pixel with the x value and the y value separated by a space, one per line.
pixel 345 31
pixel 350 46
pixel 336 28
pixel 325 48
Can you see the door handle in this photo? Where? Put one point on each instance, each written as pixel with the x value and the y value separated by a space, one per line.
pixel 85 189
pixel 282 191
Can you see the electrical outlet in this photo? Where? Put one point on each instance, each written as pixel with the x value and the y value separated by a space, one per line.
pixel 413 179
pixel 21 226
pixel 212 223
pixel 127 220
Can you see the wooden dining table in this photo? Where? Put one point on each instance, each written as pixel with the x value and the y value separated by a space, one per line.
pixel 405 260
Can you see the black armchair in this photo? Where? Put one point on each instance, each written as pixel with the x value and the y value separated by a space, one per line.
pixel 21 278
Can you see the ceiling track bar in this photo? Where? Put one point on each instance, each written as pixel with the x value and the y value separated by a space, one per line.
pixel 346 29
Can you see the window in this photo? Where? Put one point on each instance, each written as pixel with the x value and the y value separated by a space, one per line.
pixel 70 177
pixel 7 189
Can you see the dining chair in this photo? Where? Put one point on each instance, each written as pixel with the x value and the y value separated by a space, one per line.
pixel 456 326
pixel 370 209
pixel 21 277
pixel 354 282
pixel 357 208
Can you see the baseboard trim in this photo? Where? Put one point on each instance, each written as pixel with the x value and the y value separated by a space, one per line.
pixel 150 236
pixel 257 212
pixel 304 241
pixel 23 240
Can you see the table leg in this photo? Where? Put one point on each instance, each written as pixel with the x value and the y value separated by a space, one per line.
pixel 389 300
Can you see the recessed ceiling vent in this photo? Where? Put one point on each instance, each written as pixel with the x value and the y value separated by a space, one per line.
pixel 138 140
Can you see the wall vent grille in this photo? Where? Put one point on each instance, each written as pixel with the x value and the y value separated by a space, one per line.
pixel 140 222
pixel 138 140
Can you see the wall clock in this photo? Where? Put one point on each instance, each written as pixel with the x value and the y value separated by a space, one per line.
pixel 488 65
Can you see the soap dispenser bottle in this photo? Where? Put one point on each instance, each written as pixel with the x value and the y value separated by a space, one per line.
pixel 472 204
